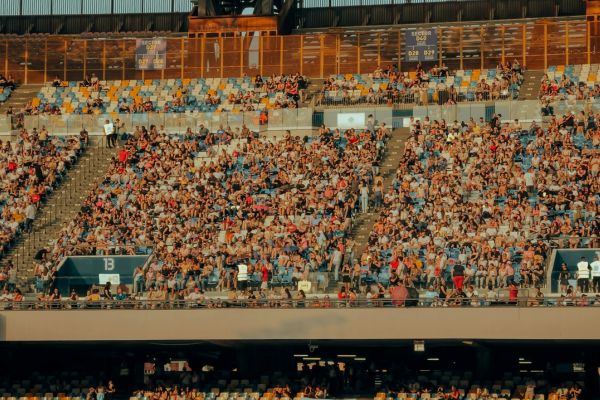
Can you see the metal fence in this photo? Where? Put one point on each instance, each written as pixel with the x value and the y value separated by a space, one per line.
pixel 537 45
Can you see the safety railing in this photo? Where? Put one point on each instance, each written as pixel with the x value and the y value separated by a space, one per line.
pixel 71 124
pixel 314 302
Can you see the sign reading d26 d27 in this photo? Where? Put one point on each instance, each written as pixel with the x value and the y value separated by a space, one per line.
pixel 421 44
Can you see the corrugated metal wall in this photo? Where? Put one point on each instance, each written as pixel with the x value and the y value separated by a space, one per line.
pixel 91 7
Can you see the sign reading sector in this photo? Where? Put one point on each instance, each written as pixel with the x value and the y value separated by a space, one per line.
pixel 150 54
pixel 421 44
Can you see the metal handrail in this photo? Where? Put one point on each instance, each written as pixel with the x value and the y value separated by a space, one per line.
pixel 309 303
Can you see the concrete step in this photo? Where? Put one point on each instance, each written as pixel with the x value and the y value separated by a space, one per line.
pixel 62 206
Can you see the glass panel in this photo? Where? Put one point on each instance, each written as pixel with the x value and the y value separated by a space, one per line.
pixel 535 46
pixel 311 55
pixel 291 54
pixel 577 43
pixel 232 56
pixel 36 50
pixel 16 59
pixel 75 57
pixel 348 54
pixel 556 43
pixel 271 55
pixel 94 53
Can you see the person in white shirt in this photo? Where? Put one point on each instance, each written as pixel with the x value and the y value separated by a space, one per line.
pixel 583 275
pixel 242 276
pixel 595 265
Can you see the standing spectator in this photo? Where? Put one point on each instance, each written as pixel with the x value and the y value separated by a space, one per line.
pixel 583 275
pixel 595 265
pixel 563 278
pixel 458 276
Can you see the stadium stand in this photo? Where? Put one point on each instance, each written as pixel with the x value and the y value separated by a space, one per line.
pixel 30 168
pixel 438 85
pixel 450 214
pixel 170 95
pixel 284 207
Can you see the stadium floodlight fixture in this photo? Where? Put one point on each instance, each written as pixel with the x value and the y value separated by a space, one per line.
pixel 360 359
pixel 312 358
pixel 346 355
pixel 433 359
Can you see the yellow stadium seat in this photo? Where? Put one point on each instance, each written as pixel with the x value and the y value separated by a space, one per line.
pixel 412 74
pixel 348 77
pixel 560 68
pixel 186 82
pixel 124 83
pixel 35 102
pixel 476 74
pixel 148 82
pixel 591 77
pixel 464 83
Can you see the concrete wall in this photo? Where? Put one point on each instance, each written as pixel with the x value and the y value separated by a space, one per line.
pixel 260 324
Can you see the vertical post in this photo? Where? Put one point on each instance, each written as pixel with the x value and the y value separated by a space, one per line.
pixel 460 46
pixel 588 41
pixel 399 51
pixel 566 43
pixel 545 46
pixel 358 52
pixel 46 60
pixel 241 56
pixel 202 56
pixel 104 60
pixel 6 57
pixel 503 31
pixel 440 32
pixel 182 56
pixel 524 46
pixel 281 55
pixel 260 52
pixel 378 49
pixel 26 59
pixel 338 46
pixel 85 42
pixel 481 57
pixel 123 60
pixel 302 54
pixel 321 55
pixel 64 77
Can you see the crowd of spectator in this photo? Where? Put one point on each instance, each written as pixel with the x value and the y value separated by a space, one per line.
pixel 280 208
pixel 30 168
pixel 423 86
pixel 475 203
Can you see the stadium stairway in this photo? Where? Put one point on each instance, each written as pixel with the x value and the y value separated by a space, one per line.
pixel 20 97
pixel 363 224
pixel 62 205
pixel 531 84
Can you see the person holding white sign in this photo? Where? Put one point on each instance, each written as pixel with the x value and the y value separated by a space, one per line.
pixel 109 131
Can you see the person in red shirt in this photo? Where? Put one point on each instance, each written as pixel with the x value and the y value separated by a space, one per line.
pixel 264 278
pixel 123 155
pixel 513 293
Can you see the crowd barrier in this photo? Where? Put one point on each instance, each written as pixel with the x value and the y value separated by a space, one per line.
pixel 525 110
pixel 72 124
pixel 309 303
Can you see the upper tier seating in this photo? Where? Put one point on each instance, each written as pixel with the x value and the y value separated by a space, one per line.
pixel 169 95
pixel 422 88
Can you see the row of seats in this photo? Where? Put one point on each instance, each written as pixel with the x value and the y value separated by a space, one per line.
pixel 175 95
